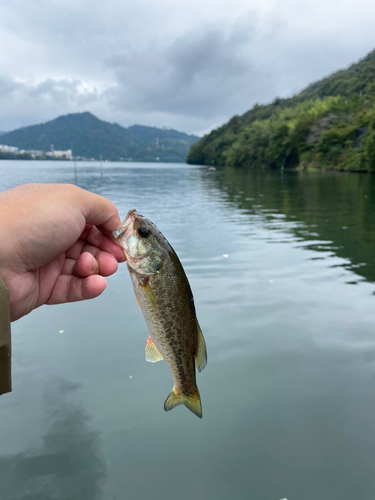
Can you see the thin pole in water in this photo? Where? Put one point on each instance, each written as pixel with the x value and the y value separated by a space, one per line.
pixel 75 170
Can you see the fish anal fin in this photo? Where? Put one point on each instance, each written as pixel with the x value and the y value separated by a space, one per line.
pixel 152 353
pixel 193 403
pixel 201 354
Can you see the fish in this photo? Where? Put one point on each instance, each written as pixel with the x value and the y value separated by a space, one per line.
pixel 165 299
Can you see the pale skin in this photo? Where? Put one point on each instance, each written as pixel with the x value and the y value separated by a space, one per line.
pixel 53 247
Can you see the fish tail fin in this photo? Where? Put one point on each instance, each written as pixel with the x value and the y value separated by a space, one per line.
pixel 193 403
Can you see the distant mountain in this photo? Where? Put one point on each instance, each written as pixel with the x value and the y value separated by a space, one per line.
pixel 90 137
pixel 1 133
pixel 329 125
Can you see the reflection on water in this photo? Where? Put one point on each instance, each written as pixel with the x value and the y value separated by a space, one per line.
pixel 289 390
pixel 69 463
pixel 330 212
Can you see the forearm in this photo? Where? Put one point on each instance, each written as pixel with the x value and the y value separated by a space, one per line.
pixel 5 344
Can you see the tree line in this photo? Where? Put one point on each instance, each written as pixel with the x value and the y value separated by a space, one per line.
pixel 329 125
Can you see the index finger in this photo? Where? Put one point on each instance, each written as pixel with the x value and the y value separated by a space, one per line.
pixel 98 211
pixel 92 235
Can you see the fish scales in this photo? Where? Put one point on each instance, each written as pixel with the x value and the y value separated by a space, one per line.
pixel 170 321
pixel 164 296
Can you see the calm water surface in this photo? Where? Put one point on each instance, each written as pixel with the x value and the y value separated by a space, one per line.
pixel 282 268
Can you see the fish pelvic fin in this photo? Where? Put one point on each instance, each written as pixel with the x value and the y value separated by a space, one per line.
pixel 201 354
pixel 193 403
pixel 152 352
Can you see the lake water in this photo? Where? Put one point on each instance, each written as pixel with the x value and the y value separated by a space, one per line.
pixel 282 267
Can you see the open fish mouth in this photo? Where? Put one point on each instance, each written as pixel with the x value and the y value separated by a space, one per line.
pixel 126 229
pixel 124 234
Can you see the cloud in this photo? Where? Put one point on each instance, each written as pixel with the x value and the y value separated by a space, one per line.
pixel 199 74
pixel 8 86
pixel 191 66
pixel 29 103
pixel 63 91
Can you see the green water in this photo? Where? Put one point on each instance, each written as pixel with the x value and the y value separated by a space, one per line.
pixel 282 268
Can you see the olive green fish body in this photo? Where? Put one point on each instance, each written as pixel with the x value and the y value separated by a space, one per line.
pixel 164 296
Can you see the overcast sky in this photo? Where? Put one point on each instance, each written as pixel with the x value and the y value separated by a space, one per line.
pixel 186 65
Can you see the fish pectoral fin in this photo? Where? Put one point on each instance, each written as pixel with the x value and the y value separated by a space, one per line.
pixel 148 291
pixel 193 403
pixel 152 353
pixel 201 354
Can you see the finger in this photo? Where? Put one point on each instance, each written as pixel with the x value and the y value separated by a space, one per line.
pixel 86 265
pixel 100 240
pixel 103 263
pixel 68 267
pixel 98 211
pixel 79 248
pixel 108 265
pixel 76 249
pixel 97 241
pixel 73 289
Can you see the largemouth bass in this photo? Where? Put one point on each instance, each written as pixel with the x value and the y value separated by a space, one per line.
pixel 164 296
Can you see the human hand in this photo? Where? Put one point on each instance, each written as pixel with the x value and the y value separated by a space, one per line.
pixel 52 245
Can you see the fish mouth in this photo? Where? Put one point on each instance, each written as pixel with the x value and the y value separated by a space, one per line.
pixel 123 235
pixel 126 228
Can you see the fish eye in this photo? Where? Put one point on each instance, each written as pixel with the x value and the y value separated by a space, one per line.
pixel 144 232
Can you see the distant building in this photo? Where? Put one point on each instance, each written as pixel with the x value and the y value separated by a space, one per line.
pixel 34 153
pixel 8 149
pixel 68 154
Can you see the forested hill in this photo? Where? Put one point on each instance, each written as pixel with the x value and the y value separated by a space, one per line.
pixel 90 137
pixel 330 124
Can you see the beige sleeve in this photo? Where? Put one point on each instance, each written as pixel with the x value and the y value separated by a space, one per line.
pixel 5 345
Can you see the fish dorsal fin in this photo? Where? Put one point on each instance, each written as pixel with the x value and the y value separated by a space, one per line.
pixel 201 354
pixel 152 353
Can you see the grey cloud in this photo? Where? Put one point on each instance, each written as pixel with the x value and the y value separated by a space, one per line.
pixel 61 91
pixel 200 74
pixel 208 55
pixel 51 90
pixel 164 63
pixel 58 91
pixel 83 99
pixel 8 86
pixel 70 37
pixel 27 103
